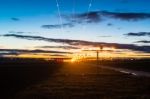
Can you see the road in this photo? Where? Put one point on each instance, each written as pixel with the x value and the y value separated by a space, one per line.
pixel 127 71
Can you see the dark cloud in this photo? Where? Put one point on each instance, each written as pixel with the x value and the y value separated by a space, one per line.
pixel 98 16
pixel 109 24
pixel 30 51
pixel 82 42
pixel 143 41
pixel 134 47
pixel 131 16
pixel 14 32
pixel 57 26
pixel 58 55
pixel 15 19
pixel 8 53
pixel 63 47
pixel 105 36
pixel 138 34
pixel 119 28
pixel 41 38
pixel 19 52
pixel 91 17
pixel 20 32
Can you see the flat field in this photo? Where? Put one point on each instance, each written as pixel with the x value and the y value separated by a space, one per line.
pixel 49 80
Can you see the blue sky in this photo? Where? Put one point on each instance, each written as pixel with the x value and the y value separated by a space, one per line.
pixel 113 21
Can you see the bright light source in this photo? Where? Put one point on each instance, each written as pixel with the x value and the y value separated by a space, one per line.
pixel 73 60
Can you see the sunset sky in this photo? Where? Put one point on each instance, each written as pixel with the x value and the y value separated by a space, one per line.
pixel 66 28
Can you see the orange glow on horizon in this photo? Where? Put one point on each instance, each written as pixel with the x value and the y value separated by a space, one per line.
pixel 88 52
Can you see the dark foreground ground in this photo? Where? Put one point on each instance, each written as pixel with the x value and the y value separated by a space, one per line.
pixel 45 80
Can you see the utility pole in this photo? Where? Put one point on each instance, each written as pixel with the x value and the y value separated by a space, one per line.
pixel 97 53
